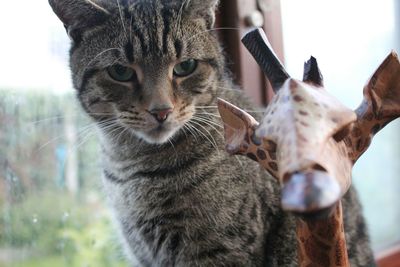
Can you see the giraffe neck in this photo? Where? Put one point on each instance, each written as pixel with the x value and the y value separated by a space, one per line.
pixel 321 243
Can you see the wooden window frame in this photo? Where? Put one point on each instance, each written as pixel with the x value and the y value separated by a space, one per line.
pixel 389 257
pixel 233 24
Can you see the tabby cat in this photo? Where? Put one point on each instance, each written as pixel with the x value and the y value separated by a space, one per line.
pixel 148 72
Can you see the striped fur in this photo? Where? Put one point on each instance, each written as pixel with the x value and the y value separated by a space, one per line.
pixel 178 199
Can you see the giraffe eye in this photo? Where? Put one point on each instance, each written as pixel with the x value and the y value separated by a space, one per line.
pixel 121 73
pixel 185 68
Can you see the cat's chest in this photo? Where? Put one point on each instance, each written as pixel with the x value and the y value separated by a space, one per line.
pixel 156 220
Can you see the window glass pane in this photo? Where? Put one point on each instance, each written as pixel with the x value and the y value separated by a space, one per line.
pixel 52 211
pixel 350 39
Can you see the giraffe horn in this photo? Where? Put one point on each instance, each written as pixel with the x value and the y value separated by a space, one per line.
pixel 312 74
pixel 258 45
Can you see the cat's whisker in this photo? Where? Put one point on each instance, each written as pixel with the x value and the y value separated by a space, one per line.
pixel 117 60
pixel 122 20
pixel 85 131
pixel 108 127
pixel 191 130
pixel 89 131
pixel 51 141
pixel 208 123
pixel 261 110
pixel 209 114
pixel 198 134
pixel 100 54
pixel 104 122
pixel 225 88
pixel 121 134
pixel 180 14
pixel 49 119
pixel 173 147
pixel 46 120
pixel 207 135
pixel 100 113
pixel 203 107
pixel 115 132
pixel 185 128
pixel 210 117
pixel 83 140
pixel 184 131
pixel 85 134
pixel 207 120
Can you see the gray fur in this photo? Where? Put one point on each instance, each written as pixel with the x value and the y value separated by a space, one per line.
pixel 178 198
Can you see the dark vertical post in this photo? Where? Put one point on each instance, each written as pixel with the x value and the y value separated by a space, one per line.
pixel 397 23
pixel 233 18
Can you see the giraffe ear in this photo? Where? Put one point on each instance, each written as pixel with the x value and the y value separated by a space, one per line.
pixel 79 15
pixel 202 9
pixel 237 124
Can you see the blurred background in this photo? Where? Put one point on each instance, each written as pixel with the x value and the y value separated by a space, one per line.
pixel 52 210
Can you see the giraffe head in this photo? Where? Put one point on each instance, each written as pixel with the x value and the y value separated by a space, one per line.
pixel 297 143
pixel 306 139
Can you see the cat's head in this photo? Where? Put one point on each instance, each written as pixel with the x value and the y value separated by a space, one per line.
pixel 144 64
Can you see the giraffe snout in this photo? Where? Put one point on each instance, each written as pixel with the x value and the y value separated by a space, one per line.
pixel 310 192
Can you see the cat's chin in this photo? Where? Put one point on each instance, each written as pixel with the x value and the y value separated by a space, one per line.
pixel 157 136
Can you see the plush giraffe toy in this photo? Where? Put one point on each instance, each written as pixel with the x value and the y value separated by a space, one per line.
pixel 309 141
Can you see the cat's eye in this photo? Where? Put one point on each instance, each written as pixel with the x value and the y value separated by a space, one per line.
pixel 185 68
pixel 121 73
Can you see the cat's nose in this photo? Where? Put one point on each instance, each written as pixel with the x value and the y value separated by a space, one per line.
pixel 161 115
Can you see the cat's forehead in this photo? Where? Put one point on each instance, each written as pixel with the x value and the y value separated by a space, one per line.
pixel 146 32
pixel 149 6
pixel 159 32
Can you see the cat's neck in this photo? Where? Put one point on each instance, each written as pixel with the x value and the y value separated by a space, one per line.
pixel 126 144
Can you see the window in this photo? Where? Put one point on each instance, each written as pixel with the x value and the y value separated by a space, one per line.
pixel 52 211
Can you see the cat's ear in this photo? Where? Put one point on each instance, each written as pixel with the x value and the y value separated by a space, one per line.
pixel 79 15
pixel 204 9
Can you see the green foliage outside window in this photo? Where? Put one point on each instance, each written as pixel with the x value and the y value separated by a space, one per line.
pixel 52 208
